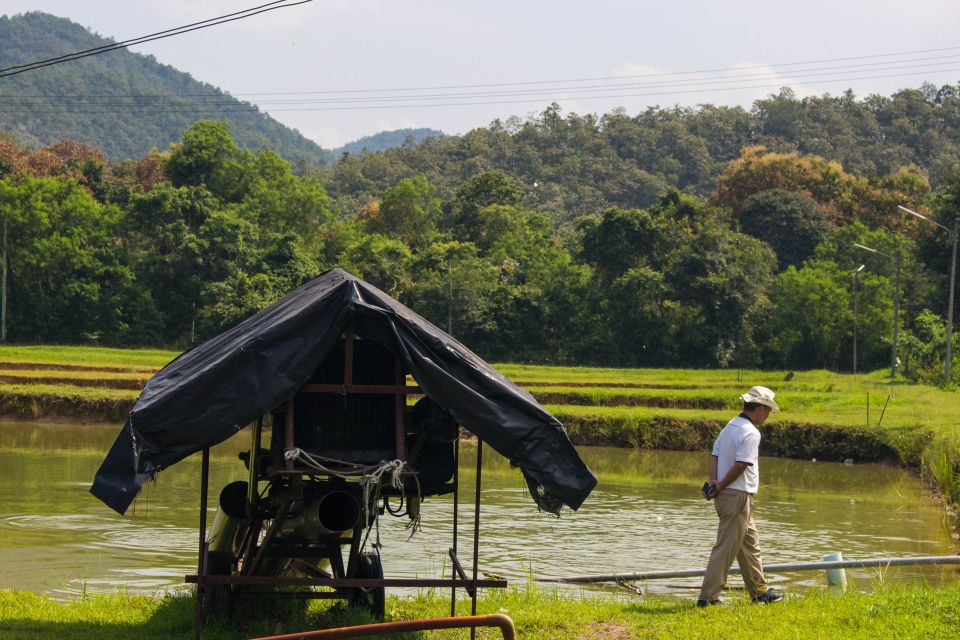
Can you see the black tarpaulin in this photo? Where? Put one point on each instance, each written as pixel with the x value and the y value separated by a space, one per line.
pixel 210 392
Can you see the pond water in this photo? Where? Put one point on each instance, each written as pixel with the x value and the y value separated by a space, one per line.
pixel 645 515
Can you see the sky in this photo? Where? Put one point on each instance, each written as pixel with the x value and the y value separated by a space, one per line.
pixel 458 65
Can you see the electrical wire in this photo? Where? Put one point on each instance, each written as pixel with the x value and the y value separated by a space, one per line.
pixel 203 24
pixel 199 108
pixel 223 100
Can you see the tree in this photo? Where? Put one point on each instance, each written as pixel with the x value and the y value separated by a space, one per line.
pixel 792 223
pixel 454 287
pixel 208 156
pixel 621 239
pixel 408 211
pixel 480 191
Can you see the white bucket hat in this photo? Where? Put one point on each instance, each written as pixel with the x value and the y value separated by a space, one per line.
pixel 761 395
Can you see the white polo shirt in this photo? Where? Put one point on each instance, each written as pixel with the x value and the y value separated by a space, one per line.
pixel 739 441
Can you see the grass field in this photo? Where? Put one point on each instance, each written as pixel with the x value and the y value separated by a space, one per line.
pixel 901 612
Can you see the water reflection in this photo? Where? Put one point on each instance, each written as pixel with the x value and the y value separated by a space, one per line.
pixel 645 515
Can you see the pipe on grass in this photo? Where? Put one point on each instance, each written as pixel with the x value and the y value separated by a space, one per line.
pixel 504 623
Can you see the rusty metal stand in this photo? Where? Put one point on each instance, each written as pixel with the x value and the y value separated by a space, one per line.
pixel 476 536
pixel 202 556
pixel 456 509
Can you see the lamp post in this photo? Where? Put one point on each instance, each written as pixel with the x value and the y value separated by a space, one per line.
pixel 856 311
pixel 896 306
pixel 953 276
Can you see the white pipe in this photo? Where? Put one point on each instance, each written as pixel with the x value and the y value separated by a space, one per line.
pixel 773 568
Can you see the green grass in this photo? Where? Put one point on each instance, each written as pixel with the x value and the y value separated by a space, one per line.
pixel 889 612
pixel 42 374
pixel 68 391
pixel 89 356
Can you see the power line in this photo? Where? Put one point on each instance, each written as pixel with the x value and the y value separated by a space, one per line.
pixel 200 108
pixel 203 24
pixel 723 70
pixel 817 74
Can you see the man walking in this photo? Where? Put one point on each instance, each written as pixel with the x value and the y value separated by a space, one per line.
pixel 734 480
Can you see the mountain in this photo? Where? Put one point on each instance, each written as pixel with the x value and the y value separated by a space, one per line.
pixel 124 103
pixel 388 140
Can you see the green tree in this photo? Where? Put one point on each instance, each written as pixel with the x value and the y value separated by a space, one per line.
pixel 790 222
pixel 480 191
pixel 208 156
pixel 408 211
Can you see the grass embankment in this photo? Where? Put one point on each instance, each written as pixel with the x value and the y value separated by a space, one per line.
pixel 901 612
pixel 825 415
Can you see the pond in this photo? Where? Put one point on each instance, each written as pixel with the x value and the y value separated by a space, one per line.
pixel 645 515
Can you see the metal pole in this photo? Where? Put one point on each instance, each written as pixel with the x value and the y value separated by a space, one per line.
pixel 953 276
pixel 449 298
pixel 856 311
pixel 202 559
pixel 456 510
pixel 504 623
pixel 3 304
pixel 476 535
pixel 896 322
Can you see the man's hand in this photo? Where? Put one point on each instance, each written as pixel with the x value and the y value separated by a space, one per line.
pixel 710 490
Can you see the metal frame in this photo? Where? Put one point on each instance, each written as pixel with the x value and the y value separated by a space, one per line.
pixel 341 578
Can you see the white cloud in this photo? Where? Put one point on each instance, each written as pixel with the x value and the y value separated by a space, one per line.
pixel 326 137
pixel 390 125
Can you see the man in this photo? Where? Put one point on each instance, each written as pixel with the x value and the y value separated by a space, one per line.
pixel 734 480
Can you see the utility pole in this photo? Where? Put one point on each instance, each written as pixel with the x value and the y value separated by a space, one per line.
pixel 896 306
pixel 3 295
pixel 449 298
pixel 856 315
pixel 947 372
pixel 948 359
pixel 896 322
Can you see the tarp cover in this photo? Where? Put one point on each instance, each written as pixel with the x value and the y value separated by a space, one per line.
pixel 210 392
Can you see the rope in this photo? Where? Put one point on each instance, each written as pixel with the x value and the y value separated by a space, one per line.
pixel 371 482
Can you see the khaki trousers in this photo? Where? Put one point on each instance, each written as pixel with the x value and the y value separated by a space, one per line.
pixel 737 537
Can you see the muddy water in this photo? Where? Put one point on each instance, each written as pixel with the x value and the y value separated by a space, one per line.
pixel 645 515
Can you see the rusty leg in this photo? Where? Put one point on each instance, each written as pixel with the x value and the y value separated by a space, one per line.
pixel 456 504
pixel 201 556
pixel 476 536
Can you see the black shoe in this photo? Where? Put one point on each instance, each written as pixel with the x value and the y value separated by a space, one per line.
pixel 768 597
pixel 709 603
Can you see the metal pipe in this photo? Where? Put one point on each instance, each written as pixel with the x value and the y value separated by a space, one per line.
pixel 476 536
pixel 288 432
pixel 896 322
pixel 202 556
pixel 790 566
pixel 504 623
pixel 456 509
pixel 947 371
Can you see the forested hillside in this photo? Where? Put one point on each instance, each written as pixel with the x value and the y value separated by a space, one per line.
pixel 670 238
pixel 576 164
pixel 121 102
pixel 388 140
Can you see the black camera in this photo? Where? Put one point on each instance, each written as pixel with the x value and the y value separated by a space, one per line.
pixel 708 490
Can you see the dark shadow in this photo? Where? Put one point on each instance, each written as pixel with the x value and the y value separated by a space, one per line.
pixel 250 617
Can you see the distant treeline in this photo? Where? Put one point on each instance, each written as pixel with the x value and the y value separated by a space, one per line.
pixel 669 239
